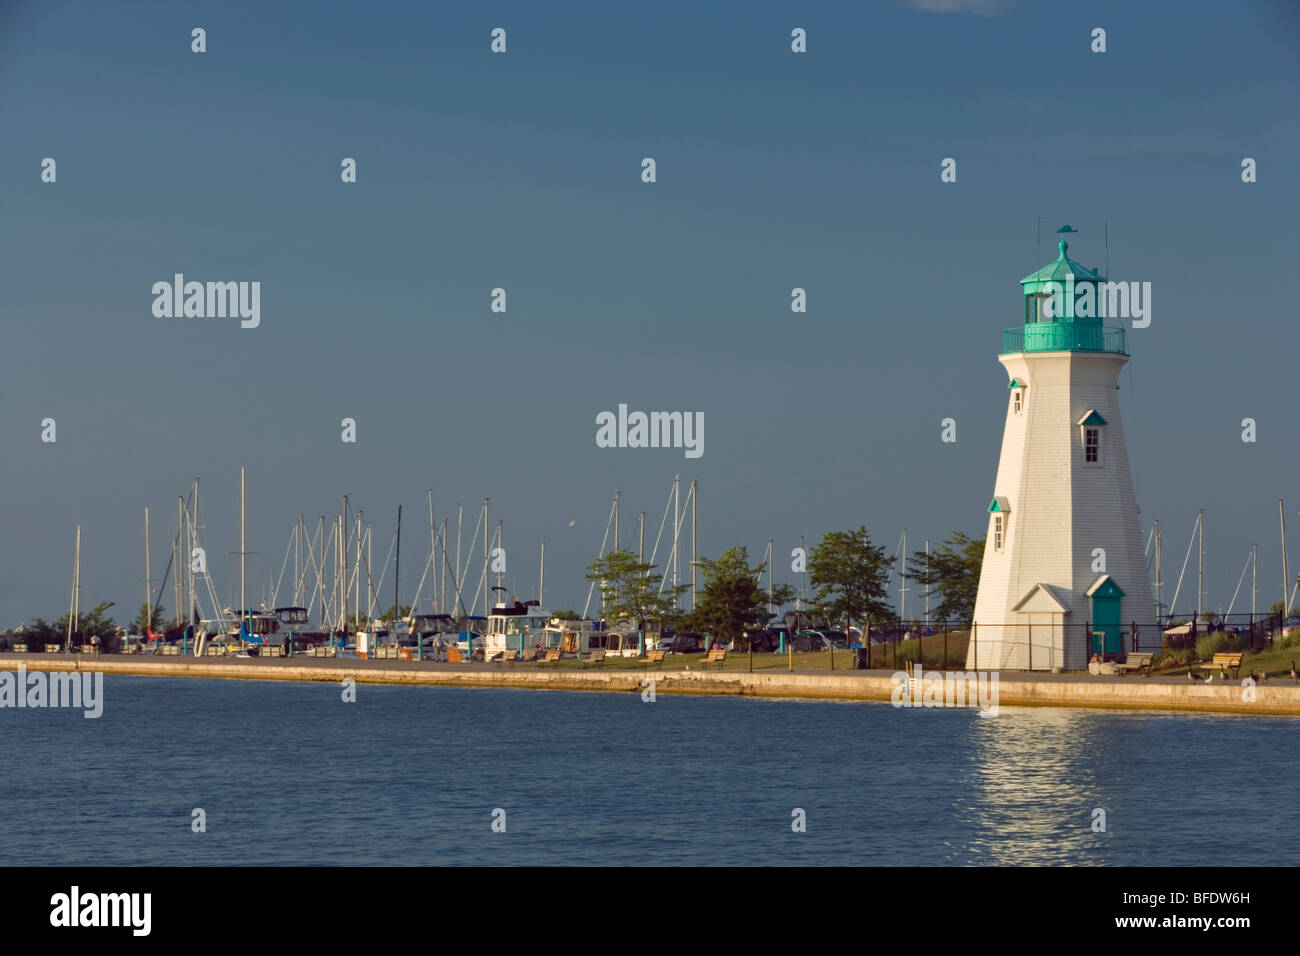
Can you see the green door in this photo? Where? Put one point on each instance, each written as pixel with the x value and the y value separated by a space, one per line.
pixel 1107 618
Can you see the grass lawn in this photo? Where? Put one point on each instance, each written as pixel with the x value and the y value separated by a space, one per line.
pixel 881 657
pixel 1275 661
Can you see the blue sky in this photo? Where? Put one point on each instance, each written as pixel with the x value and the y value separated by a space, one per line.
pixel 522 171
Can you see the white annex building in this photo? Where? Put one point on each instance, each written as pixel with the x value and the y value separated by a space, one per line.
pixel 1064 575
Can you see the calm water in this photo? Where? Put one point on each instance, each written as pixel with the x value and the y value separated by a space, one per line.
pixel 288 773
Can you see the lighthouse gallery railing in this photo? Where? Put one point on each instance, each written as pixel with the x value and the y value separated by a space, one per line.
pixel 1063 337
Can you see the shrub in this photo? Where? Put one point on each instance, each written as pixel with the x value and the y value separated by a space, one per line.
pixel 1209 645
pixel 1174 658
pixel 909 651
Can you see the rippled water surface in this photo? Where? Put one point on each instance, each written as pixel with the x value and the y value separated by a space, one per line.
pixel 289 773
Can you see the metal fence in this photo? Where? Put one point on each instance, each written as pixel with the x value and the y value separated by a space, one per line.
pixel 1044 646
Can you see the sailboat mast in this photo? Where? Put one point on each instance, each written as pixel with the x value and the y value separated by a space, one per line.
pixel 433 558
pixel 1200 562
pixel 1286 574
pixel 148 581
pixel 541 579
pixel 485 557
pixel 1254 574
pixel 397 571
pixel 927 582
pixel 803 601
pixel 76 584
pixel 243 603
pixel 320 571
pixel 902 576
pixel 343 566
pixel 192 529
pixel 178 551
pixel 178 548
pixel 1158 573
pixel 771 559
pixel 695 539
pixel 677 528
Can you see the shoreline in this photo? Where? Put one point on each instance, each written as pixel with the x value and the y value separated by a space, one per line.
pixel 1020 690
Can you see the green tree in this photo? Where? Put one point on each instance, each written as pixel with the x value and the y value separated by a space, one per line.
pixel 630 590
pixel 97 623
pixel 732 599
pixel 566 615
pixel 849 573
pixel 954 573
pixel 156 621
pixel 1279 607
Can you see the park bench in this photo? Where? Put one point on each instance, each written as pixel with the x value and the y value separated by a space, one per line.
pixel 504 657
pixel 594 657
pixel 654 657
pixel 1225 662
pixel 1137 662
pixel 715 657
pixel 552 657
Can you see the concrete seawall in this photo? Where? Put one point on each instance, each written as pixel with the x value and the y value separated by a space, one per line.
pixel 1278 697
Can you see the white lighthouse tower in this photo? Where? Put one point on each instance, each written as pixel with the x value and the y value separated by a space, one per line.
pixel 1064 575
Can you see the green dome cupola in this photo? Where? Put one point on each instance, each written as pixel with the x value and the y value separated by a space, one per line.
pixel 1072 321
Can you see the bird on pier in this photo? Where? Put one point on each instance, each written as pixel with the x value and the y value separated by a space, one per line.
pixel 1194 676
pixel 1263 676
pixel 1294 675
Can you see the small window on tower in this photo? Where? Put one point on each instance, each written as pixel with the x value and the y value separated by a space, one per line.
pixel 1092 446
pixel 997 532
pixel 1018 400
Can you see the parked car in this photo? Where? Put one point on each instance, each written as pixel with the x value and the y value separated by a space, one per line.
pixel 688 642
pixel 805 641
pixel 838 639
pixel 763 640
pixel 664 642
